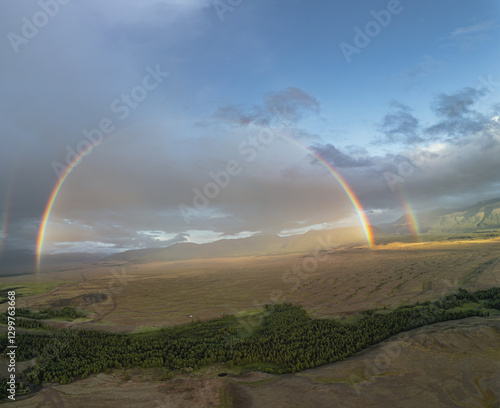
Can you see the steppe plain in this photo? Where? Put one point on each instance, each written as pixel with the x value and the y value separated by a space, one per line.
pixel 449 364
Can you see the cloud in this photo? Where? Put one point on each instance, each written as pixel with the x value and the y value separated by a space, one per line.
pixel 64 79
pixel 282 108
pixel 466 37
pixel 455 162
pixel 456 171
pixel 126 192
pixel 459 119
pixel 291 103
pixel 238 115
pixel 165 239
pixel 339 159
pixel 412 76
pixel 108 206
pixel 457 104
pixel 400 126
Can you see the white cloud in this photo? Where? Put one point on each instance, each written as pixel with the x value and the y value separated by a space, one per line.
pixel 95 247
pixel 466 37
pixel 461 32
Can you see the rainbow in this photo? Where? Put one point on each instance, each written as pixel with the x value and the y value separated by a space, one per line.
pixel 365 223
pixel 410 215
pixel 53 195
pixel 347 189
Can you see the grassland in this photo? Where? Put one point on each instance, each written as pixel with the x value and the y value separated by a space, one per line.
pixel 139 297
pixel 456 368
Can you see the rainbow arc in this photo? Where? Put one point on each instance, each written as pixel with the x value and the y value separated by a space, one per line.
pixel 367 229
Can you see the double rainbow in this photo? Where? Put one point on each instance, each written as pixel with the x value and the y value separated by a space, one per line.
pixel 367 229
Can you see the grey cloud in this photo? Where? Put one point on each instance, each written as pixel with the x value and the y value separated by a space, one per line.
pixel 455 157
pixel 339 159
pixel 457 105
pixel 400 126
pixel 137 178
pixel 63 81
pixel 457 171
pixel 283 107
pixel 238 115
pixel 459 118
pixel 291 103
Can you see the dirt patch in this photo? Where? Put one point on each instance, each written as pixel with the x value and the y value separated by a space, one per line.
pixel 241 397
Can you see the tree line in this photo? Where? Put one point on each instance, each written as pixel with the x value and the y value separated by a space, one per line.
pixel 285 340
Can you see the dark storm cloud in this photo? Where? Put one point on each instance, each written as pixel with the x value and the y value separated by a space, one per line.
pixel 62 81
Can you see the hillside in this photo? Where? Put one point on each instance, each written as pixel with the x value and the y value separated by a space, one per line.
pixel 478 217
pixel 251 246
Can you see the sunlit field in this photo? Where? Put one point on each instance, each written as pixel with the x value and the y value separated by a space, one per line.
pixel 346 281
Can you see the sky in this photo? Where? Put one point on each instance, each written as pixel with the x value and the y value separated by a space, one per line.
pixel 199 120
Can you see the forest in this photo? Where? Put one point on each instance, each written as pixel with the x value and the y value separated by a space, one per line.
pixel 282 338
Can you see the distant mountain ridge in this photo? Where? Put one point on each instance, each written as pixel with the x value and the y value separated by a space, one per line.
pixel 483 215
pixel 252 246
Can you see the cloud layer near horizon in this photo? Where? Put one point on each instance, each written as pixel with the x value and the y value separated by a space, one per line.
pixel 254 111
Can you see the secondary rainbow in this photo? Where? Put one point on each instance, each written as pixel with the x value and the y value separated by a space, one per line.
pixel 410 215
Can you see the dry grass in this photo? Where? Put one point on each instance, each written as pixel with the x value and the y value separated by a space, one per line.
pixel 147 296
pixel 444 365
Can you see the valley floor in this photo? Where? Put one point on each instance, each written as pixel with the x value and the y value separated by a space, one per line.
pixel 449 364
pixel 337 283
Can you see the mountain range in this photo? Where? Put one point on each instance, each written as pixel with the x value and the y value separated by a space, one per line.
pixel 481 216
pixel 251 246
